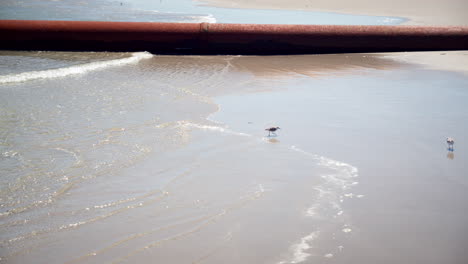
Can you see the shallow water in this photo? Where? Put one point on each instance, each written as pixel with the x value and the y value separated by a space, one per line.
pixel 129 157
pixel 110 145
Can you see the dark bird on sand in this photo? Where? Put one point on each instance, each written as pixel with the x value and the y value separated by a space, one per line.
pixel 450 142
pixel 272 130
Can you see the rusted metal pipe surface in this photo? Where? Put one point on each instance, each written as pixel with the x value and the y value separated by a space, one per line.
pixel 205 38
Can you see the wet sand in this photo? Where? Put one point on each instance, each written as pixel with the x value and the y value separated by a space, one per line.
pixel 390 124
pixel 408 205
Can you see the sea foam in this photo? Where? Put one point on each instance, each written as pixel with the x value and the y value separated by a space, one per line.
pixel 73 70
pixel 206 19
pixel 299 250
pixel 330 193
pixel 186 124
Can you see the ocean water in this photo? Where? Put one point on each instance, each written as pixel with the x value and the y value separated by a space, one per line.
pixel 137 157
pixel 174 11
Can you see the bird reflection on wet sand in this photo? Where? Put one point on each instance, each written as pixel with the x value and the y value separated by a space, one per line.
pixel 273 140
pixel 450 155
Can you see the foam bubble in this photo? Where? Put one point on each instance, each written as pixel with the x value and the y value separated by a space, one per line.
pixel 72 225
pixel 347 230
pixel 73 70
pixel 9 154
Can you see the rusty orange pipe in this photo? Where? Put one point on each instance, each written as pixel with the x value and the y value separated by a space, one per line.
pixel 205 38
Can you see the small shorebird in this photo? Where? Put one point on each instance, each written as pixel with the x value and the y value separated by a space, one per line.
pixel 272 130
pixel 450 142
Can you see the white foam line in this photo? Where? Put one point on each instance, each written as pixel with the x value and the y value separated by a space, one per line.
pixel 330 193
pixel 206 19
pixel 73 70
pixel 345 171
pixel 389 20
pixel 209 18
pixel 299 249
pixel 211 128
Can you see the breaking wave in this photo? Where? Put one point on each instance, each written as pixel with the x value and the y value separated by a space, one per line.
pixel 73 70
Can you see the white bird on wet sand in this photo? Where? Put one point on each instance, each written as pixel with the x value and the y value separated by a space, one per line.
pixel 272 130
pixel 450 142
